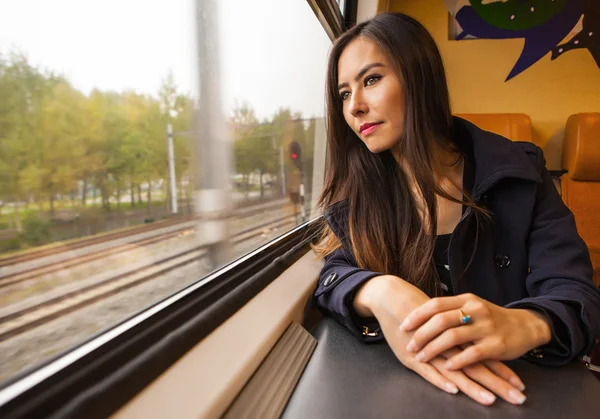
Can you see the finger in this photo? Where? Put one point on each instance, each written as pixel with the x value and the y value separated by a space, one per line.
pixel 501 370
pixel 465 384
pixel 449 339
pixel 432 307
pixel 432 328
pixel 432 375
pixel 470 355
pixel 493 382
pixel 451 352
pixel 497 367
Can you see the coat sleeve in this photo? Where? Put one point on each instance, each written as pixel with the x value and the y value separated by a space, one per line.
pixel 560 282
pixel 338 283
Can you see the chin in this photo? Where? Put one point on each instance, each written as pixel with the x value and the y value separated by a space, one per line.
pixel 377 148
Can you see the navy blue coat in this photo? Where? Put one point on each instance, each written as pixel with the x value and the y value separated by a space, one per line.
pixel 529 256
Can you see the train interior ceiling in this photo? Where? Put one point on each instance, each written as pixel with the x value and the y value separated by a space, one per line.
pixel 193 257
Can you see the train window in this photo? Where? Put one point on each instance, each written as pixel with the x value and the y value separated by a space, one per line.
pixel 112 193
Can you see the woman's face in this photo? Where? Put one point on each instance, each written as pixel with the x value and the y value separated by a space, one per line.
pixel 372 95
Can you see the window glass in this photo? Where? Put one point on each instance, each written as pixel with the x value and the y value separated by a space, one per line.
pixel 102 203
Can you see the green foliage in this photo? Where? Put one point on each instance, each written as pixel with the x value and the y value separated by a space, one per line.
pixel 57 143
pixel 54 139
pixel 36 230
pixel 258 145
pixel 255 145
pixel 10 244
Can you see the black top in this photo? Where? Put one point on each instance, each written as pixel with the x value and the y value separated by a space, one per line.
pixel 440 257
pixel 442 243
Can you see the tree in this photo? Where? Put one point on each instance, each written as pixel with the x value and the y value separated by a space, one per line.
pixel 55 140
pixel 255 145
pixel 60 129
pixel 23 89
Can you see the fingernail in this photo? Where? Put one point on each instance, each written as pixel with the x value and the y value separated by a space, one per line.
pixel 412 345
pixel 516 383
pixel 448 365
pixel 451 388
pixel 421 356
pixel 404 324
pixel 517 396
pixel 488 397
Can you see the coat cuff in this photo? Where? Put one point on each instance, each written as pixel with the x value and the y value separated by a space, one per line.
pixel 336 297
pixel 568 341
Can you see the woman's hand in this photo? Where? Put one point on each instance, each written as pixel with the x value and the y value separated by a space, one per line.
pixel 493 375
pixel 390 299
pixel 497 333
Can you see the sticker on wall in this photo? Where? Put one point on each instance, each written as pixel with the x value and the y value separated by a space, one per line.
pixel 544 24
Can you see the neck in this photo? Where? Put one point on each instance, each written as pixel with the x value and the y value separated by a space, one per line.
pixel 447 168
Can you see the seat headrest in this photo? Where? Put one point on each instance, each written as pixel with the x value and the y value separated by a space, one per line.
pixel 581 147
pixel 514 126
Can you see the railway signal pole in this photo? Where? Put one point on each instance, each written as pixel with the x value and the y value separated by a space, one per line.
pixel 172 179
pixel 296 156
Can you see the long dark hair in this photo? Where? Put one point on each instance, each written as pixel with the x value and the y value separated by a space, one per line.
pixel 387 232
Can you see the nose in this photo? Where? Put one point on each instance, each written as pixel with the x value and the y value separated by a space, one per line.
pixel 358 106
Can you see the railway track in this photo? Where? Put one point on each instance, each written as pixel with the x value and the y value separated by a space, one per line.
pixel 36 315
pixel 119 234
pixel 33 273
pixel 13 278
pixel 66 247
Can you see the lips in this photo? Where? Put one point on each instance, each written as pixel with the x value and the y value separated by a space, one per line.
pixel 367 127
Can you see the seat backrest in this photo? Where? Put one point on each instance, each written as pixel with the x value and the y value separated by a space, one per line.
pixel 514 126
pixel 581 184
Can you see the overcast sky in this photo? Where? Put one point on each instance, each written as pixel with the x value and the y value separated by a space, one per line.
pixel 273 51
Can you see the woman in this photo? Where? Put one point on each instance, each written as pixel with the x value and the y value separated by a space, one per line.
pixel 450 241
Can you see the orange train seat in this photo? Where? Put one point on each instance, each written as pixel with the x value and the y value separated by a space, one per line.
pixel 514 126
pixel 581 184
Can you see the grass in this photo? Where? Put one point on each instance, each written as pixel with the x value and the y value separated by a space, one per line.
pixel 26 248
pixel 7 214
pixel 92 213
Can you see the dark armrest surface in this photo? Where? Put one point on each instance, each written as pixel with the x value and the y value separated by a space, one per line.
pixel 348 379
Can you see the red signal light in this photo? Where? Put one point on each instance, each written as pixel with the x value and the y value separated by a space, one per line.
pixel 295 152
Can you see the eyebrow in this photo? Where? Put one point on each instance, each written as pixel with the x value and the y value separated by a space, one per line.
pixel 361 73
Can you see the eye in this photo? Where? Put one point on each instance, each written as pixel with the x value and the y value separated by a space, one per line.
pixel 371 80
pixel 344 95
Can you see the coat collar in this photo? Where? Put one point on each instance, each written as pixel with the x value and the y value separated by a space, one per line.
pixel 495 158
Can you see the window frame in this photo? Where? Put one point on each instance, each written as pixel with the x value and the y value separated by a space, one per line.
pixel 329 14
pixel 140 348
